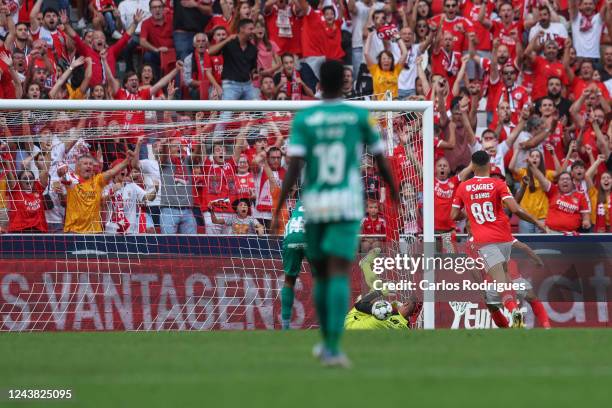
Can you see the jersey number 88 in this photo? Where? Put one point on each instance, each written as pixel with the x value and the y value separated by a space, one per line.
pixel 483 212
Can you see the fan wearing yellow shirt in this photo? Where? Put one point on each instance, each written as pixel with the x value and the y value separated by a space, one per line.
pixel 385 70
pixel 84 197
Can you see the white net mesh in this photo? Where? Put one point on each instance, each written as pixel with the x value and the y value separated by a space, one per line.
pixel 159 220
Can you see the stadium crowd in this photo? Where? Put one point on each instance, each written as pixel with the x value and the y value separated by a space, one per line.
pixel 528 81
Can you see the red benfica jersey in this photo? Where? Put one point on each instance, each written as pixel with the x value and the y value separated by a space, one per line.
pixel 444 192
pixel 371 226
pixel 245 185
pixel 556 140
pixel 483 198
pixel 27 210
pixel 215 63
pixel 565 210
pixel 314 39
pixel 517 97
pixel 483 36
pixel 133 121
pixel 542 70
pixel 458 27
pixel 508 35
pixel 219 184
pixel 446 64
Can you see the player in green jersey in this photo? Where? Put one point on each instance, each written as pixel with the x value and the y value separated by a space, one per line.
pixel 294 244
pixel 329 137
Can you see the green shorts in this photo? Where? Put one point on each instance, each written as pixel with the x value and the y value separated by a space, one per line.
pixel 339 239
pixel 293 254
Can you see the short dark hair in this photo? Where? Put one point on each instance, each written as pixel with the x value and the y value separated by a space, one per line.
pixel 455 102
pixel 243 22
pixel 128 75
pixel 329 8
pixel 481 158
pixel 578 163
pixel 50 10
pixel 274 149
pixel 331 76
pixel 287 54
pixel 489 131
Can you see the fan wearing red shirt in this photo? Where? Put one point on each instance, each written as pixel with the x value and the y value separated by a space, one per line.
pixel 55 39
pixel 99 75
pixel 445 61
pixel 10 86
pixel 220 187
pixel 450 22
pixel 507 31
pixel 544 67
pixel 333 33
pixel 313 30
pixel 585 80
pixel 483 198
pixel 26 203
pixel 505 89
pixel 444 192
pixel 245 181
pixel 156 35
pixel 568 209
pixel 475 11
pixel 372 224
pixel 283 25
pixel 133 121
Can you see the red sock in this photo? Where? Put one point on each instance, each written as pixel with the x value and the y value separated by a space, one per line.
pixel 508 300
pixel 500 320
pixel 540 313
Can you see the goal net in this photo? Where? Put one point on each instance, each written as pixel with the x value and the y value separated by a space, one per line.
pixel 158 219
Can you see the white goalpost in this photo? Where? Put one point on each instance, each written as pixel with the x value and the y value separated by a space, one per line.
pixel 238 292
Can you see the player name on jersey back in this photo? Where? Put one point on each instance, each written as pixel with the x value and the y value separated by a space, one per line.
pixel 482 197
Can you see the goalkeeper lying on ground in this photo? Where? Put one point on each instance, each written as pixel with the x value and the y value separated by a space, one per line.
pixel 374 311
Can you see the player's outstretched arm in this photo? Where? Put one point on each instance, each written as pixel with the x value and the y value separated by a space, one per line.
pixel 385 173
pixel 515 208
pixel 291 176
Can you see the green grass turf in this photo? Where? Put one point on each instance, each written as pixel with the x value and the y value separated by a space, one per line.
pixel 494 368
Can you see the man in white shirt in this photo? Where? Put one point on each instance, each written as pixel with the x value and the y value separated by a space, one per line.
pixel 587 26
pixel 552 31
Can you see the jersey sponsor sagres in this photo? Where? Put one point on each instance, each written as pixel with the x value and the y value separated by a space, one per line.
pixel 482 198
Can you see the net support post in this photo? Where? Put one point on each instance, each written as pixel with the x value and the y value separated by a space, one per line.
pixel 429 306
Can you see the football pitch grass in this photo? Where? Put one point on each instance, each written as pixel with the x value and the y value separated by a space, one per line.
pixel 442 368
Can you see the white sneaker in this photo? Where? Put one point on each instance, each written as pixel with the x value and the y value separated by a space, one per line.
pixel 116 35
pixel 317 350
pixel 340 361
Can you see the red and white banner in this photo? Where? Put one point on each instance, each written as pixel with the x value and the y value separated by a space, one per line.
pixel 190 293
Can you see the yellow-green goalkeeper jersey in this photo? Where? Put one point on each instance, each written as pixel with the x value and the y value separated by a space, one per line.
pixel 356 320
pixel 330 137
pixel 295 230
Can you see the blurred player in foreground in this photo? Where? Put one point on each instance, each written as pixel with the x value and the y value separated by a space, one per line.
pixel 329 137
pixel 483 198
pixel 374 311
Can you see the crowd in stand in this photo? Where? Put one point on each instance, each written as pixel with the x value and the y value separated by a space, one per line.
pixel 528 81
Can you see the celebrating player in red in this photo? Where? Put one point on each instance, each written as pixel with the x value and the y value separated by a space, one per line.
pixel 484 198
